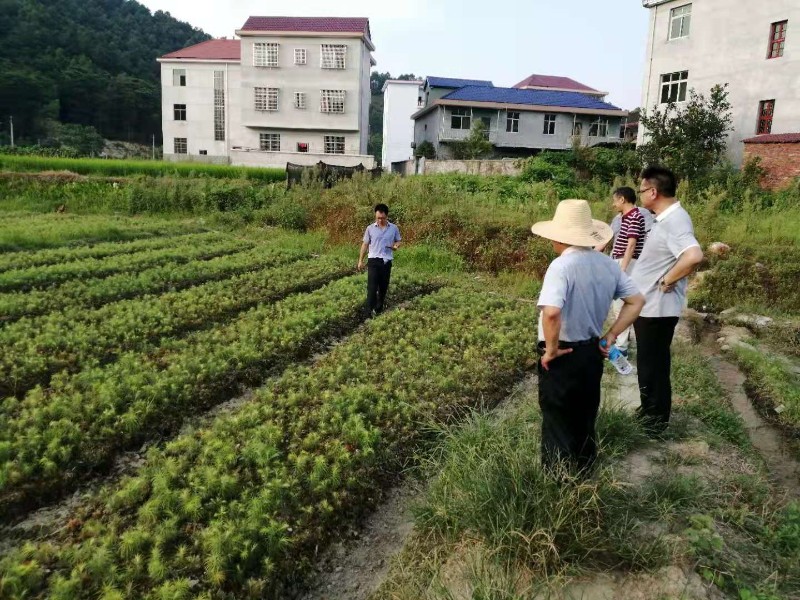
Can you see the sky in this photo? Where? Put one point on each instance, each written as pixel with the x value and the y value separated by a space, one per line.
pixel 598 42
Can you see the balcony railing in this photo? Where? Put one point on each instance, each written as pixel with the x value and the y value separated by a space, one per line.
pixel 448 134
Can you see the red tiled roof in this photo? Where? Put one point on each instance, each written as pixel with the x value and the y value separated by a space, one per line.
pixel 211 50
pixel 358 25
pixel 553 81
pixel 774 138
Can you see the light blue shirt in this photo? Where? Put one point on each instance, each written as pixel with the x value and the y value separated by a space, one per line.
pixel 582 283
pixel 380 241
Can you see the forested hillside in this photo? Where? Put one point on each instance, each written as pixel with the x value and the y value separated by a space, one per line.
pixel 85 62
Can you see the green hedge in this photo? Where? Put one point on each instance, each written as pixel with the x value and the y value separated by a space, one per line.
pixel 125 168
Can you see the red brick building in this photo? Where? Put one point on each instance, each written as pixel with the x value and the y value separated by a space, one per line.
pixel 780 157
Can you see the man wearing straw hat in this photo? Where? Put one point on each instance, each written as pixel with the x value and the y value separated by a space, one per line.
pixel 577 292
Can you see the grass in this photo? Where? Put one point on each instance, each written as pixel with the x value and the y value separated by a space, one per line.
pixel 772 383
pixel 492 525
pixel 128 168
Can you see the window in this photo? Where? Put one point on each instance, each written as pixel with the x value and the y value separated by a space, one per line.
pixel 599 128
pixel 302 147
pixel 550 124
pixel 334 144
pixel 270 142
pixel 331 101
pixel 766 109
pixel 300 100
pixel 777 39
pixel 179 77
pixel 181 147
pixel 577 129
pixel 203 152
pixel 461 118
pixel 179 111
pixel 334 56
pixel 219 106
pixel 512 122
pixel 266 99
pixel 674 86
pixel 265 54
pixel 680 21
pixel 300 56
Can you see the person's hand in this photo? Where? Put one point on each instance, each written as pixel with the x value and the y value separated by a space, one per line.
pixel 395 246
pixel 665 287
pixel 610 339
pixel 360 265
pixel 550 355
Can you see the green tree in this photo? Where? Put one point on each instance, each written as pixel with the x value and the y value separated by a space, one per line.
pixel 425 150
pixel 476 145
pixel 691 140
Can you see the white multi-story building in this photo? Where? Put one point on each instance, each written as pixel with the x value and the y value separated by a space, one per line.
pixel 400 101
pixel 748 44
pixel 288 90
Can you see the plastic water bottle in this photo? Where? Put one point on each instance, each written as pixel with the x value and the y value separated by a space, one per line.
pixel 617 359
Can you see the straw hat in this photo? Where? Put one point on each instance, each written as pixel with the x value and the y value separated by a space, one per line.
pixel 573 225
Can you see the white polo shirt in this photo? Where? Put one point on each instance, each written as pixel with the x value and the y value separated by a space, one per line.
pixel 582 283
pixel 672 235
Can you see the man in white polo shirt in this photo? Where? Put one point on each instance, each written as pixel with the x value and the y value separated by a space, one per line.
pixel 577 292
pixel 671 253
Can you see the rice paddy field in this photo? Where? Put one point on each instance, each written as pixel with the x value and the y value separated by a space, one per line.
pixel 264 413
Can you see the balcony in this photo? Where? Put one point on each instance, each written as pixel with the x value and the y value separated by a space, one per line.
pixel 447 134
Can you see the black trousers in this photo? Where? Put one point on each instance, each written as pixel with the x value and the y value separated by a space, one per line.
pixel 378 275
pixel 653 363
pixel 569 398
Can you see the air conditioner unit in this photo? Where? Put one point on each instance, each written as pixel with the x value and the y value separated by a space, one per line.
pixel 413 145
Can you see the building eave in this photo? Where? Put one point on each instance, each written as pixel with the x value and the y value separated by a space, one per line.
pixel 317 34
pixel 654 3
pixel 216 61
pixel 400 81
pixel 554 89
pixel 520 107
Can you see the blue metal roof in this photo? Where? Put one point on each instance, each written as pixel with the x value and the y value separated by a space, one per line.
pixel 534 97
pixel 447 82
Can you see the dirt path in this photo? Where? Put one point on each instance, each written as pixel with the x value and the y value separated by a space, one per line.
pixel 768 441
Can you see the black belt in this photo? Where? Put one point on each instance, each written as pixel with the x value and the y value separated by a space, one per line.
pixel 562 344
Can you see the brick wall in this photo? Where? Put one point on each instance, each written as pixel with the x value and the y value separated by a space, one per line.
pixel 781 162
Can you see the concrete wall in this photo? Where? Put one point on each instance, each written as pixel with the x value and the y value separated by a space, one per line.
pixel 470 167
pixel 399 103
pixel 254 158
pixel 198 96
pixel 728 43
pixel 781 162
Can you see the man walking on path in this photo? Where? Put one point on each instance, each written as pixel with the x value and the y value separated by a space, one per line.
pixel 628 244
pixel 576 295
pixel 670 255
pixel 381 239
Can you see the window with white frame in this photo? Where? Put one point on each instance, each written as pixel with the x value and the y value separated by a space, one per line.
pixel 265 54
pixel 680 21
pixel 266 99
pixel 599 128
pixel 179 112
pixel 179 77
pixel 181 146
pixel 674 86
pixel 550 124
pixel 331 101
pixel 300 100
pixel 334 56
pixel 334 144
pixel 461 118
pixel 512 122
pixel 270 142
pixel 300 56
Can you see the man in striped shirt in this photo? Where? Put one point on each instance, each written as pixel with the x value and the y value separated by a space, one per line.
pixel 628 245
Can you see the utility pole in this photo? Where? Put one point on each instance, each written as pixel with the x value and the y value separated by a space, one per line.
pixel 11 124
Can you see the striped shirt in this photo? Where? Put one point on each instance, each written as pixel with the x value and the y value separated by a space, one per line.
pixel 631 226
